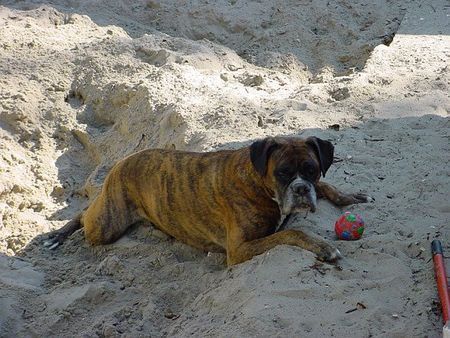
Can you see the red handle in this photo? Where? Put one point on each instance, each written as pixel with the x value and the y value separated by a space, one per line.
pixel 441 279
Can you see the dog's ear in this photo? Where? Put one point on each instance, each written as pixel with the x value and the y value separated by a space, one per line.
pixel 260 152
pixel 324 151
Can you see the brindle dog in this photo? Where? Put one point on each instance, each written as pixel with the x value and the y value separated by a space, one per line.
pixel 230 201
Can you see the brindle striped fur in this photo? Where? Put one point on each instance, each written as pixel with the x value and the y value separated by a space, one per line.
pixel 214 201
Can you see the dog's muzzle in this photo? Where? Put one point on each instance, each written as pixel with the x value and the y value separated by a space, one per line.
pixel 300 195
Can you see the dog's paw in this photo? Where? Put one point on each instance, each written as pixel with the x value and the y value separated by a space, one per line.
pixel 362 198
pixel 51 244
pixel 329 253
pixel 53 241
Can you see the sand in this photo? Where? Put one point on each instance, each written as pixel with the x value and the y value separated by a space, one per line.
pixel 83 84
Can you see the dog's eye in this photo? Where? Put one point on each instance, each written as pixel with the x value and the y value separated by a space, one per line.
pixel 309 169
pixel 283 174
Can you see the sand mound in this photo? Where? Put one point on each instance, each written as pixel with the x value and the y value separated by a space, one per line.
pixel 84 84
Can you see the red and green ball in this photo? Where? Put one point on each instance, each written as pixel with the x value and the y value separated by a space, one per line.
pixel 349 226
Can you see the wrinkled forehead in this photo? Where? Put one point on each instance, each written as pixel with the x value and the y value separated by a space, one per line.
pixel 292 153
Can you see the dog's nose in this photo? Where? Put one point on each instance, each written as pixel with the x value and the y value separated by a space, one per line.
pixel 300 188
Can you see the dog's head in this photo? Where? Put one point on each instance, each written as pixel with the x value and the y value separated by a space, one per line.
pixel 291 167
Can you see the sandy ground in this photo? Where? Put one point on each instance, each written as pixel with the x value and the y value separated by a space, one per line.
pixel 83 84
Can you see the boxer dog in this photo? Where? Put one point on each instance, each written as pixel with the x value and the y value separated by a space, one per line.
pixel 230 201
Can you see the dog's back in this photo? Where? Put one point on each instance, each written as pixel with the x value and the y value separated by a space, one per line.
pixel 181 193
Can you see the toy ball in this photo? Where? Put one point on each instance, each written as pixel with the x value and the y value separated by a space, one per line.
pixel 349 226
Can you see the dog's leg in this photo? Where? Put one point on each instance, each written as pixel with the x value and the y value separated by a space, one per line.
pixel 57 237
pixel 239 251
pixel 339 198
pixel 107 219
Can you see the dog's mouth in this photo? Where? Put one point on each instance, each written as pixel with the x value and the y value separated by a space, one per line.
pixel 304 204
pixel 298 208
pixel 304 207
pixel 296 204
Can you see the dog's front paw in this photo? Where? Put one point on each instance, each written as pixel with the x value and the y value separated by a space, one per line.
pixel 362 198
pixel 328 253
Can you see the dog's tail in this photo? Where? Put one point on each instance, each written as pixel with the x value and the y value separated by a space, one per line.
pixel 58 237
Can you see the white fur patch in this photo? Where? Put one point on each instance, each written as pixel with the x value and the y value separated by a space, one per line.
pixel 48 243
pixel 54 246
pixel 282 218
pixel 336 254
pixel 51 244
